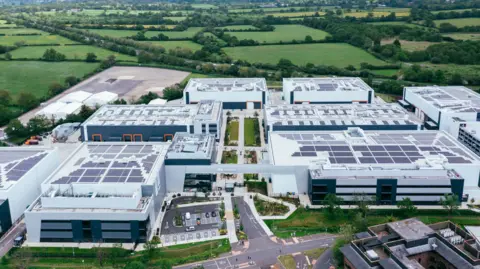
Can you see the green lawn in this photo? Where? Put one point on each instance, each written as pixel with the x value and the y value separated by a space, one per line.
pixel 250 132
pixel 460 22
pixel 305 222
pixel 174 44
pixel 464 36
pixel 410 45
pixel 230 157
pixel 174 18
pixel 189 33
pixel 232 129
pixel 71 52
pixel 337 54
pixel 450 10
pixel 204 6
pixel 257 186
pixel 288 261
pixel 35 40
pixel 285 33
pixel 36 76
pixel 385 72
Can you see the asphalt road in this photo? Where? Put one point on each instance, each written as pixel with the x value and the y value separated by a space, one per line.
pixel 260 257
pixel 325 260
pixel 250 225
pixel 195 211
pixel 7 242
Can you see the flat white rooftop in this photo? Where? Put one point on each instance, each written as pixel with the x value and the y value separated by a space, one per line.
pixel 358 148
pixel 191 146
pixel 325 84
pixel 15 162
pixel 226 85
pixel 345 114
pixel 448 98
pixel 473 128
pixel 111 163
pixel 154 115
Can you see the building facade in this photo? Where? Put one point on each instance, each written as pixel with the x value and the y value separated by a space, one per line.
pixel 469 135
pixel 234 93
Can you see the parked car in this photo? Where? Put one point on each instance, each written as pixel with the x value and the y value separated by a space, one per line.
pixel 190 229
pixel 199 221
pixel 207 215
pixel 187 215
pixel 214 214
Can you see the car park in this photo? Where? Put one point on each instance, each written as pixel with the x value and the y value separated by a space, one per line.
pixel 214 214
pixel 207 215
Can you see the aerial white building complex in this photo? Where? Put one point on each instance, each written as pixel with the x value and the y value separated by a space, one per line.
pixel 389 165
pixel 234 93
pixel 443 107
pixel 326 90
pixel 22 170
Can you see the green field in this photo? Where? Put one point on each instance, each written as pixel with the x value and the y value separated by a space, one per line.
pixel 175 18
pixel 337 54
pixel 204 6
pixel 361 14
pixel 36 76
pixel 461 22
pixel 451 10
pixel 35 40
pixel 410 45
pixel 249 132
pixel 189 33
pixel 174 44
pixel 296 14
pixel 285 33
pixel 71 52
pixel 237 27
pixel 232 129
pixel 385 72
pixel 9 32
pixel 464 36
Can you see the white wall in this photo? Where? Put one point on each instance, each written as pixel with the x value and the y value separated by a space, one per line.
pixel 331 96
pixel 451 126
pixel 422 105
pixel 27 189
pixel 227 96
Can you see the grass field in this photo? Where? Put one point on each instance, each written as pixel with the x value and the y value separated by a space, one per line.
pixel 362 14
pixel 189 33
pixel 288 261
pixel 204 6
pixel 295 14
pixel 35 40
pixel 174 18
pixel 282 33
pixel 174 44
pixel 232 129
pixel 337 54
pixel 71 52
pixel 464 36
pixel 451 10
pixel 9 32
pixel 385 72
pixel 410 45
pixel 249 132
pixel 36 76
pixel 305 222
pixel 230 157
pixel 461 22
pixel 237 27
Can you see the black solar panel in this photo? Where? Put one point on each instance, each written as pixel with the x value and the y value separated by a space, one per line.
pixel 366 160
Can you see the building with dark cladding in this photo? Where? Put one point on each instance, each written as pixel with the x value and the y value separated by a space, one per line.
pixel 115 123
pixel 412 244
pixel 234 93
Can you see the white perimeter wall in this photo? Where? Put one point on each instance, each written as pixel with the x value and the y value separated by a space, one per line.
pixel 330 96
pixel 228 96
pixel 25 191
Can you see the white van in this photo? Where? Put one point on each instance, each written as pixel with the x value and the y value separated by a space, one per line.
pixel 187 215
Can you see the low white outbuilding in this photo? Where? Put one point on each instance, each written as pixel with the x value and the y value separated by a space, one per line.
pixel 77 96
pixel 158 101
pixel 50 111
pixel 100 99
pixel 70 108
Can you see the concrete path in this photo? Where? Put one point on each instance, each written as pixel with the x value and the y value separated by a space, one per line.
pixel 230 219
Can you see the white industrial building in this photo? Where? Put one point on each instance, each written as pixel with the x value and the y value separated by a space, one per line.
pixel 101 98
pixel 389 165
pixel 103 192
pixel 443 107
pixel 77 96
pixel 469 135
pixel 67 109
pixel 326 90
pixel 22 170
pixel 234 93
pixel 335 117
pixel 158 101
pixel 50 111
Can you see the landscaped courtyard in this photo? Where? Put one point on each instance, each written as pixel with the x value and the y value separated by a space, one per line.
pixel 252 132
pixel 230 156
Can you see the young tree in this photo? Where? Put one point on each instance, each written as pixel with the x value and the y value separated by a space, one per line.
pixel 22 258
pixel 150 249
pixel 116 253
pixel 450 203
pixel 90 57
pixel 362 202
pixel 109 62
pixel 55 88
pixel 38 125
pixel 71 81
pixel 27 100
pixel 101 255
pixel 308 39
pixel 5 98
pixel 332 205
pixel 5 115
pixel 406 206
pixel 51 55
pixel 15 129
pixel 171 93
pixel 8 56
pixel 145 57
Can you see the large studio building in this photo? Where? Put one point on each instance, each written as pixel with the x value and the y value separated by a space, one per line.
pixel 127 123
pixel 234 93
pixel 327 90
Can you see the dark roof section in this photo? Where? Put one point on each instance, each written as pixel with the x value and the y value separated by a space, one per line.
pixel 389 264
pixel 354 257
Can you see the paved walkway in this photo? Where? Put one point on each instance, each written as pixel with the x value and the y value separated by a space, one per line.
pixel 6 242
pixel 230 219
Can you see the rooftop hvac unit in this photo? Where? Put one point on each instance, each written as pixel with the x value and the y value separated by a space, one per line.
pixel 372 255
pixel 456 240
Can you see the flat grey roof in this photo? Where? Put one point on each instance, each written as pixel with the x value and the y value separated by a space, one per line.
pixel 410 229
pixel 226 85
pixel 154 115
pixel 448 98
pixel 367 148
pixel 111 163
pixel 346 84
pixel 344 114
pixel 191 146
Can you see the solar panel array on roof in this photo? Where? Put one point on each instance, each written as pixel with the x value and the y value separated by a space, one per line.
pixel 112 164
pixel 17 169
